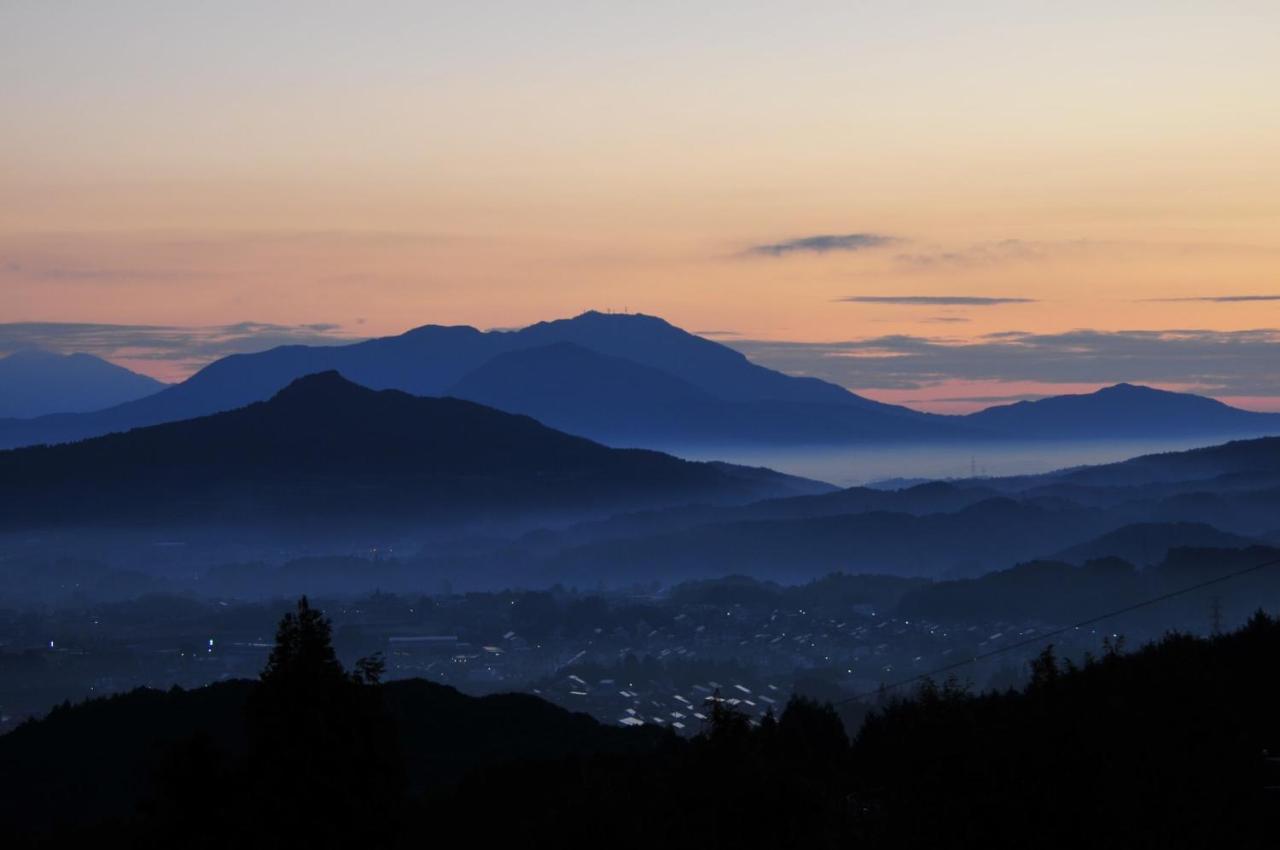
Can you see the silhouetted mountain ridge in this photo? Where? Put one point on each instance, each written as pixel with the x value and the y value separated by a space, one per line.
pixel 1147 543
pixel 1235 464
pixel 429 360
pixel 1123 410
pixel 630 379
pixel 327 450
pixel 1052 591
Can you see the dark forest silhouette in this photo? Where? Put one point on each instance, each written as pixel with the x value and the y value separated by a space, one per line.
pixel 1163 747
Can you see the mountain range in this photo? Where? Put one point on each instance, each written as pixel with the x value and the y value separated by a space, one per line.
pixel 635 380
pixel 326 456
pixel 328 460
pixel 1225 496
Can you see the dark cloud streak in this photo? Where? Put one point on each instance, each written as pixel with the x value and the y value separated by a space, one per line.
pixel 822 244
pixel 1216 299
pixel 1215 362
pixel 935 300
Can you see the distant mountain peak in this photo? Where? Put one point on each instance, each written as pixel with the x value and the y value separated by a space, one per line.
pixel 1124 409
pixel 1126 389
pixel 430 329
pixel 603 315
pixel 598 320
pixel 37 381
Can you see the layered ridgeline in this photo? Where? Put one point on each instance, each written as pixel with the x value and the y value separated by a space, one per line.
pixel 674 383
pixel 1225 496
pixel 328 456
pixel 637 380
pixel 327 453
pixel 1234 486
pixel 35 383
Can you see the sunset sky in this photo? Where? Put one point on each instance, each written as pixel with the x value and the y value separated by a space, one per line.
pixel 940 204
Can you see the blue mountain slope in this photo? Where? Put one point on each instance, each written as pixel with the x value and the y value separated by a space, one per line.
pixel 638 380
pixel 715 368
pixel 329 451
pixel 430 360
pixel 622 402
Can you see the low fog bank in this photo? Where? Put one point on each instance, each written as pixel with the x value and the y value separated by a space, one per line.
pixel 850 466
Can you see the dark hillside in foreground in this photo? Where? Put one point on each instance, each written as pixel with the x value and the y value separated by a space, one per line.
pixel 90 761
pixel 326 451
pixel 1165 747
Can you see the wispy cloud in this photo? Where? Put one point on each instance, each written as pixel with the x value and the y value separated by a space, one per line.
pixel 998 252
pixel 985 254
pixel 42 271
pixel 1240 363
pixel 935 300
pixel 182 346
pixel 978 255
pixel 822 244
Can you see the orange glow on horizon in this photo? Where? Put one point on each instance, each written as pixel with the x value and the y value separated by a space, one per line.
pixel 426 166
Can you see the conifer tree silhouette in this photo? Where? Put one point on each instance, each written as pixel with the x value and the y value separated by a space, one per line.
pixel 323 754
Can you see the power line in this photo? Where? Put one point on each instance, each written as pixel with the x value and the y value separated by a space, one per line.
pixel 1062 630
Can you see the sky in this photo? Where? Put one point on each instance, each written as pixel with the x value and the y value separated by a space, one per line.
pixel 934 203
